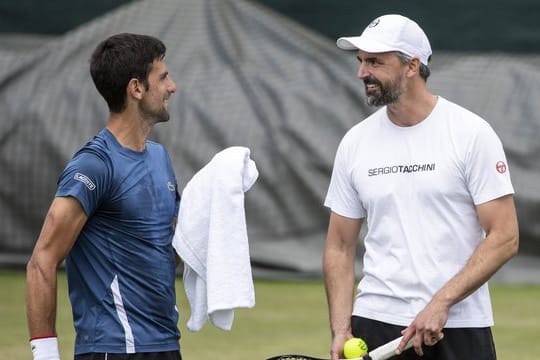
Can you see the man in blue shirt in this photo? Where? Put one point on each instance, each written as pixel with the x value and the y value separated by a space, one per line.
pixel 112 220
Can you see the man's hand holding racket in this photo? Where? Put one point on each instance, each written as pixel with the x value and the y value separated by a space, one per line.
pixel 426 328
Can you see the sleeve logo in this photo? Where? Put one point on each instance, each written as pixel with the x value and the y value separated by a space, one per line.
pixel 85 180
pixel 501 167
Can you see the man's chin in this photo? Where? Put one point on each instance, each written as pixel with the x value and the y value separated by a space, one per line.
pixel 164 117
pixel 373 100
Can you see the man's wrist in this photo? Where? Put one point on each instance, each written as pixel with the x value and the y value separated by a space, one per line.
pixel 45 347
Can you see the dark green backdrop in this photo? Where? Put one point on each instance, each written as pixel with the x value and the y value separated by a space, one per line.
pixel 464 25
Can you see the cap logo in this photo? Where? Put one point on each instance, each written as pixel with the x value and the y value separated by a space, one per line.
pixel 374 23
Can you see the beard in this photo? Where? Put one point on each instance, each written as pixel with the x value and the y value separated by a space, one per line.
pixel 385 94
pixel 153 114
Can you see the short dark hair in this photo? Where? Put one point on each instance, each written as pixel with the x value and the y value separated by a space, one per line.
pixel 120 58
pixel 424 69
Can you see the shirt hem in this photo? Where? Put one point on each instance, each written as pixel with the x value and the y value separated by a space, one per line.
pixel 121 349
pixel 406 321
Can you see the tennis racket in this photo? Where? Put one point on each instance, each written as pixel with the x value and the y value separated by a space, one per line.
pixel 383 352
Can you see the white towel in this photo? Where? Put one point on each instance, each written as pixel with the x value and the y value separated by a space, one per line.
pixel 211 239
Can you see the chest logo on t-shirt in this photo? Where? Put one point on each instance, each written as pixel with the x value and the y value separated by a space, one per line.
pixel 400 169
pixel 171 186
pixel 85 180
pixel 501 167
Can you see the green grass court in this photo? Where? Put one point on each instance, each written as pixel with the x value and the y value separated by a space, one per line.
pixel 288 317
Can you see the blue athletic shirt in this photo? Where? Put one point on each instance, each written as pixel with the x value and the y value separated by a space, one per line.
pixel 121 270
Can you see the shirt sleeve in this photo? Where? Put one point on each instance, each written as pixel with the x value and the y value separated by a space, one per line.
pixel 86 178
pixel 342 197
pixel 487 171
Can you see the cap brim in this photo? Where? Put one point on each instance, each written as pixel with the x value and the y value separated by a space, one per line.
pixel 362 43
pixel 346 43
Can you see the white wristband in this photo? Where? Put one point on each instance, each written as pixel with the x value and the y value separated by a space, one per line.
pixel 45 348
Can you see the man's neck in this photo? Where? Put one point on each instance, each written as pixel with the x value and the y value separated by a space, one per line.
pixel 129 130
pixel 410 109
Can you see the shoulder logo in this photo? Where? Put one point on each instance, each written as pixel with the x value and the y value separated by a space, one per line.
pixel 171 186
pixel 501 167
pixel 85 180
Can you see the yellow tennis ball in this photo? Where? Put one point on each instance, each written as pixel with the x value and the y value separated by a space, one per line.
pixel 354 348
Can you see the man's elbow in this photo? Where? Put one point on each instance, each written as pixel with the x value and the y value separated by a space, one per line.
pixel 40 267
pixel 513 245
pixel 508 246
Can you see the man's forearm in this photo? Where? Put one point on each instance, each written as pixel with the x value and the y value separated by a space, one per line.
pixel 40 300
pixel 339 284
pixel 488 257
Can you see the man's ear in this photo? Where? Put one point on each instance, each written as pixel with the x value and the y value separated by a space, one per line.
pixel 413 67
pixel 135 89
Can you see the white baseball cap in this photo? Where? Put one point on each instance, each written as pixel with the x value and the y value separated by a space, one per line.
pixel 390 33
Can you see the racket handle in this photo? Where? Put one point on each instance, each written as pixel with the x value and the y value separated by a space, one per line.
pixel 388 350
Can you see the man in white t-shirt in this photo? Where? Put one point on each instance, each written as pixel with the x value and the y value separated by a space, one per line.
pixel 431 181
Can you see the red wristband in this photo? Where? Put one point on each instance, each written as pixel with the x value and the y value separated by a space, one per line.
pixel 42 337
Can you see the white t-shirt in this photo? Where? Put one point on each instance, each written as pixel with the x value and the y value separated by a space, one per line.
pixel 417 187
